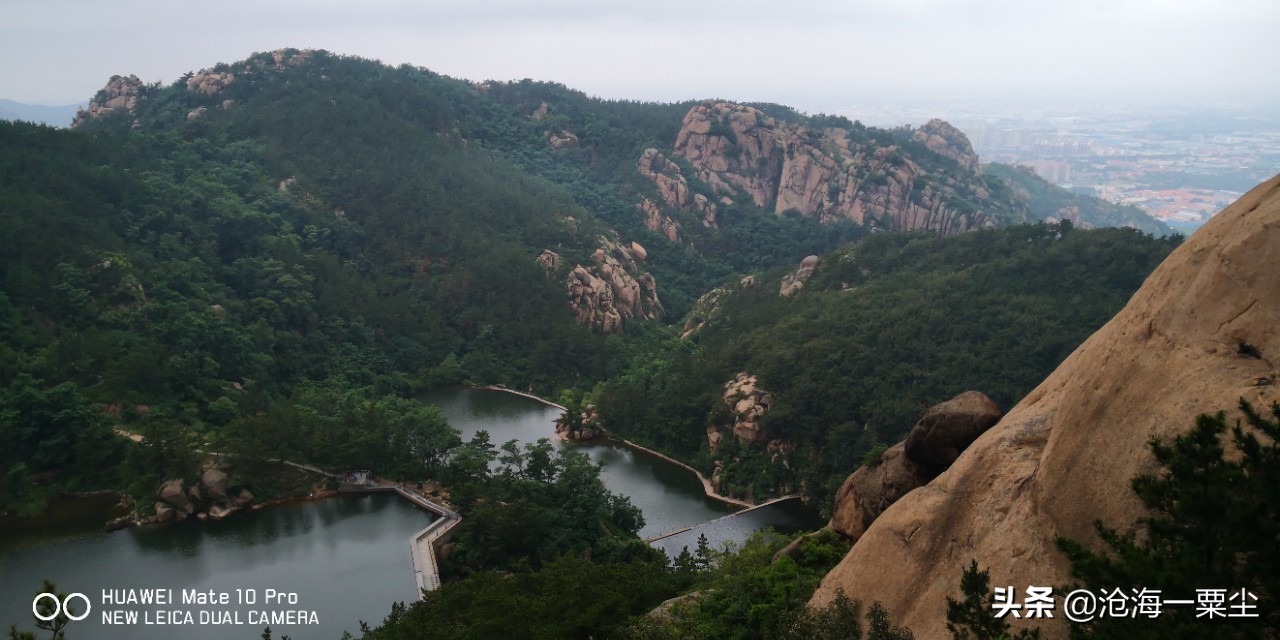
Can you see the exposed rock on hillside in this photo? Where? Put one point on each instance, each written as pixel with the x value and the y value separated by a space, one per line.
pixel 214 81
pixel 794 282
pixel 612 290
pixel 549 261
pixel 935 442
pixel 562 140
pixel 741 153
pixel 210 82
pixel 943 139
pixel 1199 335
pixel 120 95
pixel 673 186
pixel 657 221
pixel 748 403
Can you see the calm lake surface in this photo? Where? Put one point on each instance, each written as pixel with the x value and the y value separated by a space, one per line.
pixel 346 558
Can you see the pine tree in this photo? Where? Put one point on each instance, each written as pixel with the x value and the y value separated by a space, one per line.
pixel 1213 525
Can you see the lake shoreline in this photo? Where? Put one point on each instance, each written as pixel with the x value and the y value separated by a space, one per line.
pixel 707 487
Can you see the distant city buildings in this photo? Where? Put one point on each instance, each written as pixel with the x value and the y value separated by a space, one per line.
pixel 1179 164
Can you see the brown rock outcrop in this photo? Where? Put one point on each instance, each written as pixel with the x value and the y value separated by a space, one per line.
pixel 120 95
pixel 794 282
pixel 209 82
pixel 867 492
pixel 562 140
pixel 674 188
pixel 1195 338
pixel 743 154
pixel 947 429
pixel 549 261
pixel 942 138
pixel 655 220
pixel 612 290
pixel 748 403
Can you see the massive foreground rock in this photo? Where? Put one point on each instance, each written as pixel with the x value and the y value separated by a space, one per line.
pixel 1201 333
pixel 934 443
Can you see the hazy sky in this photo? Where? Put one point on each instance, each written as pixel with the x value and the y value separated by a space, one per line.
pixel 799 52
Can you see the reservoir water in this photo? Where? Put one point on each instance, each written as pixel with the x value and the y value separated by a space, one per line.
pixel 345 558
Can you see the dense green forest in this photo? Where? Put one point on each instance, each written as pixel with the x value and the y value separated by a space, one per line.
pixel 276 269
pixel 883 330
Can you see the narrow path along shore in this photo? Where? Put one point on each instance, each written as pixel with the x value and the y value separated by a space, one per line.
pixel 524 395
pixel 766 503
pixel 706 483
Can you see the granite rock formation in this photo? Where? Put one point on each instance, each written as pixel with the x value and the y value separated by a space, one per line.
pixel 830 174
pixel 1201 333
pixel 612 289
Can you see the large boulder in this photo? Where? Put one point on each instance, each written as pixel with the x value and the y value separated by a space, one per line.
pixel 1202 333
pixel 867 492
pixel 793 282
pixel 948 428
pixel 215 483
pixel 165 512
pixel 172 492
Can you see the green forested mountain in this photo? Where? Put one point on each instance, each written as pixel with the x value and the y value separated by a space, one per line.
pixel 883 329
pixel 271 258
pixel 211 259
pixel 1047 200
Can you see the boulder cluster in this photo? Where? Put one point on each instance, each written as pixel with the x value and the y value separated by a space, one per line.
pixel 747 403
pixel 612 289
pixel 211 497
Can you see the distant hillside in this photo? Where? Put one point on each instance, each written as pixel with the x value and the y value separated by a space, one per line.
pixel 847 351
pixel 1048 201
pixel 199 254
pixel 54 116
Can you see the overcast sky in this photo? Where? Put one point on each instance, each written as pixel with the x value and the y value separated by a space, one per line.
pixel 798 52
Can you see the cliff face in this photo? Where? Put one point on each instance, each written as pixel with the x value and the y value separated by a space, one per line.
pixel 743 155
pixel 1201 333
pixel 612 288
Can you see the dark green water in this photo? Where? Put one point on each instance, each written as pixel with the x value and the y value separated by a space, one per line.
pixel 346 558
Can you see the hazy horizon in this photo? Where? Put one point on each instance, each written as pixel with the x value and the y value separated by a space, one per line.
pixel 1128 52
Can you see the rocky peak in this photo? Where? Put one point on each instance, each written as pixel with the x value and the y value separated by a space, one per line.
pixel 210 82
pixel 214 81
pixel 674 188
pixel 943 139
pixel 1201 333
pixel 612 289
pixel 121 95
pixel 744 155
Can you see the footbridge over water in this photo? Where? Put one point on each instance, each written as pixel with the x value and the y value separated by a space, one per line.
pixel 423 545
